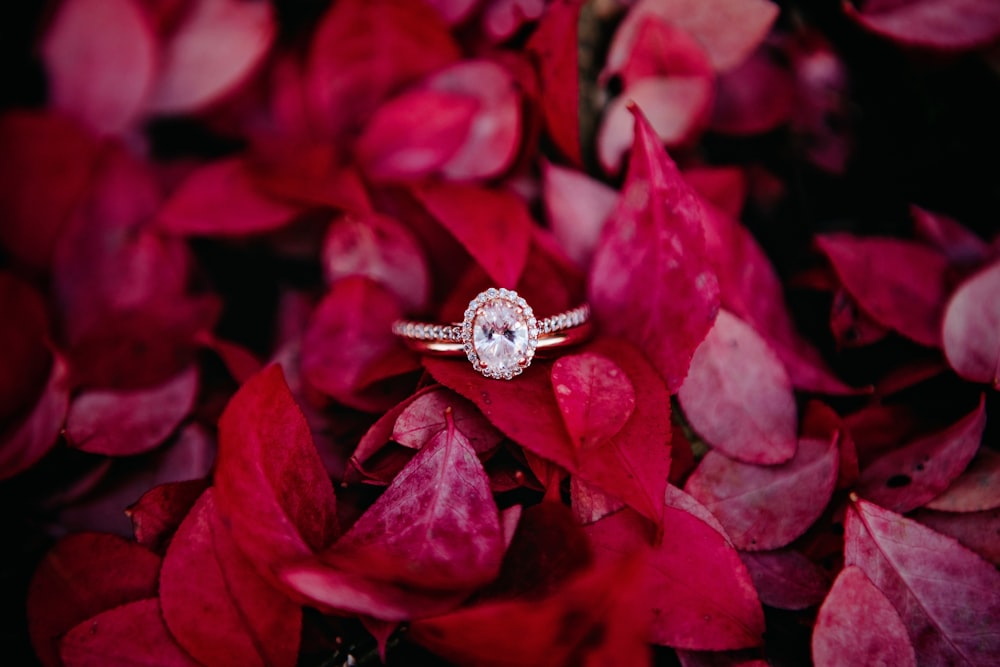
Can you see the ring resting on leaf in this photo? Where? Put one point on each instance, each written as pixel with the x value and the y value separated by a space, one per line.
pixel 500 334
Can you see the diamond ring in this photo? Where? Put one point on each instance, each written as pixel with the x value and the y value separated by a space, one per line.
pixel 500 334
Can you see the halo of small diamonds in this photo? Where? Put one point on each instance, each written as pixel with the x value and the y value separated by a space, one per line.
pixel 499 312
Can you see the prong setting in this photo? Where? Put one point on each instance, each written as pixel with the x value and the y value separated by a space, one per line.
pixel 499 333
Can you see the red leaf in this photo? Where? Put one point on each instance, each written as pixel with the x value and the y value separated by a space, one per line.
pixel 948 597
pixel 124 423
pixel 132 635
pixel 364 51
pixel 102 82
pixel 80 577
pixel 819 421
pixel 24 442
pixel 221 199
pixel 239 617
pixel 844 636
pixel 554 48
pixel 596 398
pixel 786 579
pixel 737 395
pixel 215 47
pixel 25 357
pixel 728 31
pixel 701 594
pixel 495 134
pixel 941 25
pixel 350 334
pixel 651 281
pixel 380 248
pixel 764 508
pixel 725 188
pixel 241 363
pixel 424 418
pixel 971 330
pixel 949 236
pixel 271 487
pixel 576 207
pixel 157 514
pixel 975 490
pixel 901 284
pixel 755 97
pixel 597 618
pixel 657 48
pixel 415 134
pixel 494 226
pixel 908 477
pixel 978 531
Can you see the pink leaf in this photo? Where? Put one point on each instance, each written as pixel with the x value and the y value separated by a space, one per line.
pixel 124 423
pixel 239 616
pixel 424 418
pixel 764 508
pixel 786 579
pixel 948 597
pixel 380 248
pixel 80 577
pixel 971 330
pixel 216 46
pixel 658 48
pixel 651 281
pixel 25 441
pixel 415 134
pixel 956 241
pixel 494 226
pixel 271 487
pixel 901 284
pixel 941 25
pixel 978 531
pixel 221 199
pixel 576 208
pixel 102 82
pixel 910 476
pixel 158 512
pixel 503 18
pixel 595 397
pixel 975 490
pixel 737 395
pixel 844 636
pixel 132 635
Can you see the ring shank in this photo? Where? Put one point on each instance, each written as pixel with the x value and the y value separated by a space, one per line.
pixel 549 341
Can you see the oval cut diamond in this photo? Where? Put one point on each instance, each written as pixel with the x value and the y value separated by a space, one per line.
pixel 500 333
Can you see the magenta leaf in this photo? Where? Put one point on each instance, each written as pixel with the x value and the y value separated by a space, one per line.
pixel 755 97
pixel 595 396
pixel 123 423
pixel 738 397
pixel 977 531
pixel 271 487
pixel 956 241
pixel 908 477
pixel 25 356
pixel 576 208
pixel 786 579
pixel 80 577
pixel 159 511
pixel 132 635
pixel 239 617
pixel 651 281
pixel 843 636
pixel 940 25
pixel 901 284
pixel 975 490
pixel 27 439
pixel 765 508
pixel 424 418
pixel 971 330
pixel 947 596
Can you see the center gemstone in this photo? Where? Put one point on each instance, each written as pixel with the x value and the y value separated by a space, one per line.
pixel 500 336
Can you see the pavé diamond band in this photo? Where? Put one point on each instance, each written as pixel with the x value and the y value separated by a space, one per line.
pixel 500 334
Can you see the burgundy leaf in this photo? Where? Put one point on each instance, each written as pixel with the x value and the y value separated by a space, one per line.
pixel 26 440
pixel 786 579
pixel 851 326
pixel 216 46
pixel 102 82
pixel 158 513
pixel 364 51
pixel 576 208
pixel 596 398
pixel 380 248
pixel 975 490
pixel 453 11
pixel 740 658
pixel 764 508
pixel 908 477
pixel 271 487
pixel 755 97
pixel 737 395
pixel 239 617
pixel 132 635
pixel 971 328
pixel 651 281
pixel 956 241
pixel 80 577
pixel 554 49
pixel 378 435
pixel 725 188
pixel 424 418
pixel 221 199
pixel 819 421
pixel 901 284
pixel 494 226
pixel 941 25
pixel 947 596
pixel 123 423
pixel 241 363
pixel 415 134
pixel 25 357
pixel 978 531
pixel 844 636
